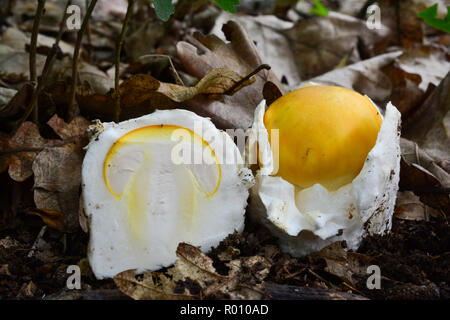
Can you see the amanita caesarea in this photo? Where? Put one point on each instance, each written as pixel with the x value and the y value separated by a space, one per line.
pixel 158 180
pixel 329 167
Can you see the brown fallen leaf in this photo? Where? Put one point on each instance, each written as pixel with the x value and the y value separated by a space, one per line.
pixel 426 150
pixel 57 172
pixel 205 53
pixel 192 264
pixel 428 126
pixel 24 12
pixel 422 172
pixel 14 64
pixel 426 176
pixel 216 82
pixel 149 286
pixel 142 94
pixel 194 277
pixel 52 218
pixel 19 152
pixel 320 44
pixel 409 207
pixel 16 104
pixel 267 34
pixel 271 92
pixel 349 266
pixel 152 32
pixel 413 74
pixel 401 17
pixel 365 77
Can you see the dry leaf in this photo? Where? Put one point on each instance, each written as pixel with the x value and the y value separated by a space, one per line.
pixel 422 172
pixel 413 73
pixel 241 55
pixel 19 152
pixel 401 17
pixel 6 94
pixel 193 277
pixel 148 286
pixel 17 103
pixel 52 218
pixel 14 64
pixel 320 44
pixel 17 40
pixel 429 125
pixel 426 175
pixel 216 82
pixel 142 94
pixel 426 151
pixel 364 77
pixel 349 266
pixel 267 34
pixel 57 171
pixel 409 207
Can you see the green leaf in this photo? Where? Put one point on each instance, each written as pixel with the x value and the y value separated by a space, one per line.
pixel 228 5
pixel 164 9
pixel 319 9
pixel 429 16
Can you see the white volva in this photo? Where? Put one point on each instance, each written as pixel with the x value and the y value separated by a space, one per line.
pixel 158 180
pixel 306 220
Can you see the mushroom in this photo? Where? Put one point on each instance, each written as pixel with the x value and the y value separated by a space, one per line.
pixel 152 182
pixel 329 167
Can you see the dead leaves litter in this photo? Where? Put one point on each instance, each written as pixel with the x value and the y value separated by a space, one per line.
pixel 57 173
pixel 205 53
pixel 194 277
pixel 142 94
pixel 55 163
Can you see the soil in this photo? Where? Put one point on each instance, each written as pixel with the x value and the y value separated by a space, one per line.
pixel 414 259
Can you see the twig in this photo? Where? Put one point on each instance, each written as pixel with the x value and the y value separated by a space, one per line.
pixel 61 27
pixel 76 53
pixel 33 45
pixel 8 7
pixel 36 242
pixel 288 292
pixel 172 66
pixel 33 106
pixel 317 276
pixel 293 275
pixel 118 49
pixel 352 288
pixel 251 74
pixel 88 34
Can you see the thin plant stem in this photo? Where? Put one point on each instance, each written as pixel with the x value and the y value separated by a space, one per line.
pixel 33 45
pixel 33 106
pixel 76 53
pixel 172 66
pixel 246 78
pixel 117 62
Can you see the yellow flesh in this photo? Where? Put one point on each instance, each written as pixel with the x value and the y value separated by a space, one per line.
pixel 134 194
pixel 325 134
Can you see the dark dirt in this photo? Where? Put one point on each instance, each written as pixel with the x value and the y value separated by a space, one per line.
pixel 414 259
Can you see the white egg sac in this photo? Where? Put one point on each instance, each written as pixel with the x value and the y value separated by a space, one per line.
pixel 306 220
pixel 158 180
